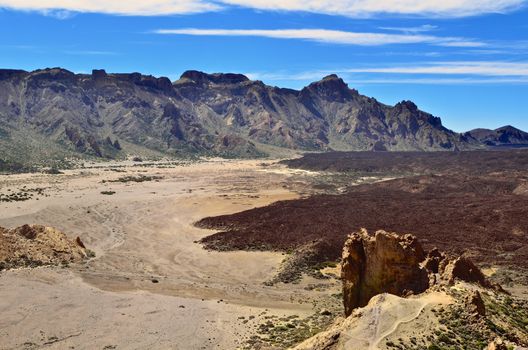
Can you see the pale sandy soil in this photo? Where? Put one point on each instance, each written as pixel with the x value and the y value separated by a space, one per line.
pixel 386 318
pixel 408 318
pixel 143 233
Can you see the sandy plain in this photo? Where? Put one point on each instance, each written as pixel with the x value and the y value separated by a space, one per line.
pixel 151 285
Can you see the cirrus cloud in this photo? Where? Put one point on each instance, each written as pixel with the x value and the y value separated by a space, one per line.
pixel 351 8
pixel 483 68
pixel 125 8
pixel 329 36
pixel 431 73
pixel 366 8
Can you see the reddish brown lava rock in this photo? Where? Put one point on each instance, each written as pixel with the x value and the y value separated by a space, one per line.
pixel 463 269
pixel 26 231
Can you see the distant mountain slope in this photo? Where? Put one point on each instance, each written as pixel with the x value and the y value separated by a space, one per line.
pixel 54 112
pixel 505 136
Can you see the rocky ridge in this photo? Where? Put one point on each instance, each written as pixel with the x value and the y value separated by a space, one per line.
pixel 54 113
pixel 504 136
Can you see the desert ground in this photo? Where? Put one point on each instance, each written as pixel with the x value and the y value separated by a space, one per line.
pixel 151 284
pixel 242 254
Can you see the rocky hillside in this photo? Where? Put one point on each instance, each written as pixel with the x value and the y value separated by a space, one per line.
pixel 505 136
pixel 56 114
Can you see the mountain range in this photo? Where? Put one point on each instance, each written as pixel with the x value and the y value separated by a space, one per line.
pixel 54 114
pixel 505 136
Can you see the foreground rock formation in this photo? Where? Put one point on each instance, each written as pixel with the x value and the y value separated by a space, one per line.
pixel 452 306
pixel 397 264
pixel 36 245
pixel 383 263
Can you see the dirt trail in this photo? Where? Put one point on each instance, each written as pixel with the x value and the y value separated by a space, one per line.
pixel 383 316
pixel 419 306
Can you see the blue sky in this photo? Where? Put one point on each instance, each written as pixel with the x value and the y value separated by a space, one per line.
pixel 465 61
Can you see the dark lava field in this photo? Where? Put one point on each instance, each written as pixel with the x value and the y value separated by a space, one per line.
pixel 473 203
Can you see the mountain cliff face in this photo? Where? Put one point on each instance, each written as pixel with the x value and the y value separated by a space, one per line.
pixel 54 111
pixel 505 136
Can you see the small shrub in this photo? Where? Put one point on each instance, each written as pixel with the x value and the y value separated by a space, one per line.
pixel 108 193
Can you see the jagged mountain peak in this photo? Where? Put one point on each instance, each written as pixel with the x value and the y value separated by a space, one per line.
pixel 410 105
pixel 215 78
pixel 331 80
pixel 158 83
pixel 331 77
pixel 508 128
pixel 331 88
pixel 503 136
pixel 56 73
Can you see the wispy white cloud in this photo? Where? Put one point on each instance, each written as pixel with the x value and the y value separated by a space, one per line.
pixel 442 81
pixel 354 80
pixel 468 73
pixel 352 8
pixel 58 14
pixel 63 8
pixel 366 8
pixel 420 29
pixel 330 36
pixel 483 68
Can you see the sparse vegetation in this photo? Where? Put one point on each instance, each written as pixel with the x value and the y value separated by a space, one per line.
pixel 138 178
pixel 108 193
pixel 21 195
pixel 462 329
pixel 284 332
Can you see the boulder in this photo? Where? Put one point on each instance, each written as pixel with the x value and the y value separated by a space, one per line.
pixel 463 269
pixel 26 231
